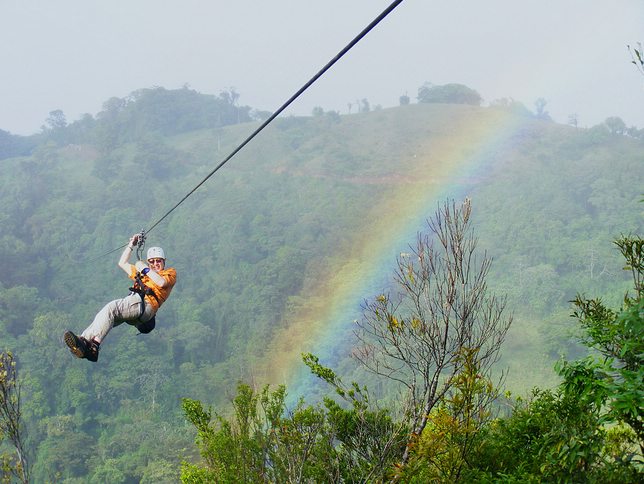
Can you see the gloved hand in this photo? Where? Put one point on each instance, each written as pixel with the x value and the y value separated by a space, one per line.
pixel 135 240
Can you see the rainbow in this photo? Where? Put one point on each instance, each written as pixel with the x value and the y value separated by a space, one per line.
pixel 444 166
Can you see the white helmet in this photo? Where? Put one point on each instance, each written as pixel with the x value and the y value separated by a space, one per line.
pixel 156 252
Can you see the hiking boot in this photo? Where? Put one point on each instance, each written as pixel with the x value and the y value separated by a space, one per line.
pixel 81 347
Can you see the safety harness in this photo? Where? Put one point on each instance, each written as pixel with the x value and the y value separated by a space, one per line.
pixel 142 290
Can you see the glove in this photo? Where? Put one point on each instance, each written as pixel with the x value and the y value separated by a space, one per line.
pixel 134 240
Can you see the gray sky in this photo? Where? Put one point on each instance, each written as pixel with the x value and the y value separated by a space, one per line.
pixel 73 55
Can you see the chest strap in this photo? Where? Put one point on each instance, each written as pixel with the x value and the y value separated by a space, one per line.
pixel 142 290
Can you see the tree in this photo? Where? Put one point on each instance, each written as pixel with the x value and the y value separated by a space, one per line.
pixel 14 145
pixel 404 100
pixel 540 107
pixel 441 311
pixel 615 381
pixel 449 93
pixel 261 443
pixel 334 116
pixel 154 157
pixel 370 440
pixel 11 426
pixel 55 127
pixel 550 438
pixel 56 120
pixel 260 115
pixel 445 448
pixel 265 442
pixel 591 425
pixel 511 105
pixel 573 120
pixel 230 96
pixel 615 125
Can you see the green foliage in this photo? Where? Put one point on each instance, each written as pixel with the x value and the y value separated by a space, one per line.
pixel 511 105
pixel 370 440
pixel 240 450
pixel 545 438
pixel 265 442
pixel 65 456
pixel 14 145
pixel 254 244
pixel 591 426
pixel 324 373
pixel 554 437
pixel 12 429
pixel 442 453
pixel 615 381
pixel 448 93
pixel 615 125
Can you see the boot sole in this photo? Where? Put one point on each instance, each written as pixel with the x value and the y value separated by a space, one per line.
pixel 71 340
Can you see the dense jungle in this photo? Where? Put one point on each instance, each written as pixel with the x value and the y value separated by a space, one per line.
pixel 189 401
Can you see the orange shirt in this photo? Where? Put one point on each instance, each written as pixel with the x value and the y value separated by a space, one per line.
pixel 161 293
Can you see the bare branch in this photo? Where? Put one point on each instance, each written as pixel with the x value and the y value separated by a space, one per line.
pixel 441 308
pixel 637 56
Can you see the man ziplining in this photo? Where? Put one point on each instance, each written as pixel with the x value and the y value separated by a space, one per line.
pixel 155 283
pixel 152 286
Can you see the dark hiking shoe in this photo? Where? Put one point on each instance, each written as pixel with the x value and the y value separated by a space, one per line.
pixel 80 347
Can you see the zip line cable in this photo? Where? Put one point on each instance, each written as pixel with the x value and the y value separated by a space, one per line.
pixel 283 107
pixel 321 72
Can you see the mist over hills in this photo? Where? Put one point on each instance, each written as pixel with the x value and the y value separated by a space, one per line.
pixel 265 239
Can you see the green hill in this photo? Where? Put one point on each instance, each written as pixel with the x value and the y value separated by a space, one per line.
pixel 255 244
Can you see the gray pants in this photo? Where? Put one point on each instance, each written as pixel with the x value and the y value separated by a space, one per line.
pixel 114 313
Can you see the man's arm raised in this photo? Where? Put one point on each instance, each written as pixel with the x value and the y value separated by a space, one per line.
pixel 127 252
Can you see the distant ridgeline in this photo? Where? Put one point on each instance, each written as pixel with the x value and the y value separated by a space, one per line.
pixel 276 253
pixel 159 111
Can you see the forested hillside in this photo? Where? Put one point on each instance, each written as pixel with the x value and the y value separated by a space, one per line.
pixel 251 246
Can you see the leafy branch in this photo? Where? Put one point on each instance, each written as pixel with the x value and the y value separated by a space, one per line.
pixel 11 419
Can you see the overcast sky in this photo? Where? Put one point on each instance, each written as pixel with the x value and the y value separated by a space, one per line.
pixel 74 55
